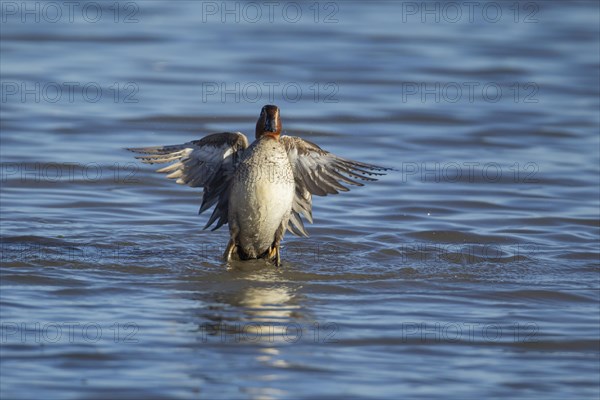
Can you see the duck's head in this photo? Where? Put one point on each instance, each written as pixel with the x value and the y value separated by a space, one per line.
pixel 268 123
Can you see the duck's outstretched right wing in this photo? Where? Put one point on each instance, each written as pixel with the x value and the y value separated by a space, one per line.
pixel 208 163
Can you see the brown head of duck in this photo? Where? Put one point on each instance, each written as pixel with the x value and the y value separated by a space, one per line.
pixel 269 123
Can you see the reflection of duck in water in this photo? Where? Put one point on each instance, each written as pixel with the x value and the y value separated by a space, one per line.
pixel 259 189
pixel 269 304
pixel 260 313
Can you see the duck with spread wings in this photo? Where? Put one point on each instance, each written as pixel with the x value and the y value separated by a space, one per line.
pixel 261 189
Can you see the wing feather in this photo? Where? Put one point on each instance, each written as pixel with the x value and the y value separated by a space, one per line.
pixel 319 172
pixel 208 163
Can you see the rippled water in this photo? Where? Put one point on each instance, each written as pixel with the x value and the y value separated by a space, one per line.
pixel 471 271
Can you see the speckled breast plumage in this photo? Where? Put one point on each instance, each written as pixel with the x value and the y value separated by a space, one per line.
pixel 261 197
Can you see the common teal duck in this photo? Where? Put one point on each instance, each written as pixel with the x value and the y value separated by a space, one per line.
pixel 260 189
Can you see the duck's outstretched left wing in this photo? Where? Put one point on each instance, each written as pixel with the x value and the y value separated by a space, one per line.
pixel 208 163
pixel 320 172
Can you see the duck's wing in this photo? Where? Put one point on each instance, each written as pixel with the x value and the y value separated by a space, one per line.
pixel 208 163
pixel 319 172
